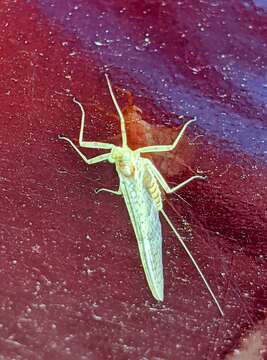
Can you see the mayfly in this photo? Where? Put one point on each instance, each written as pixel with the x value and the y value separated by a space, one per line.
pixel 140 185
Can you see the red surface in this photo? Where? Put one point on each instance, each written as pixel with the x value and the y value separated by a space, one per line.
pixel 71 282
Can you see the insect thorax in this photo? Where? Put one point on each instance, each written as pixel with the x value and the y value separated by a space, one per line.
pixel 130 164
pixel 125 160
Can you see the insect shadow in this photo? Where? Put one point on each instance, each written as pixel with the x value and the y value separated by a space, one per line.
pixel 140 186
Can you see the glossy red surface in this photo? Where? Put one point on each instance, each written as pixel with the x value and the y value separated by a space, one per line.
pixel 71 282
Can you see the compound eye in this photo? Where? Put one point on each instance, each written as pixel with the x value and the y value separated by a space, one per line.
pixel 127 156
pixel 111 159
pixel 115 154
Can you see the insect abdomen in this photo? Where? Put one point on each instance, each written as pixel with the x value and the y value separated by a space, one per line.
pixel 153 188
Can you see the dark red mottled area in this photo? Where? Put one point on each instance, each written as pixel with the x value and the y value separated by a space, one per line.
pixel 71 282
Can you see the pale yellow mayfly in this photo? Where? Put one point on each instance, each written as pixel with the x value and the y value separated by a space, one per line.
pixel 140 183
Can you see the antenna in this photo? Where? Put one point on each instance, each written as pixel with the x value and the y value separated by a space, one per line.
pixel 122 121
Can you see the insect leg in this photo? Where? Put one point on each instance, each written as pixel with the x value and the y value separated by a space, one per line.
pixel 89 144
pixel 161 148
pixel 93 160
pixel 164 183
pixel 193 261
pixel 109 191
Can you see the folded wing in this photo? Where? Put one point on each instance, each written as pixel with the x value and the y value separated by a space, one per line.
pixel 144 216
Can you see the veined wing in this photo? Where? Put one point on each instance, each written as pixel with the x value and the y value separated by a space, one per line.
pixel 144 216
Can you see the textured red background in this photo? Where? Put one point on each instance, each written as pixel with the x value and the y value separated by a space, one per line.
pixel 71 282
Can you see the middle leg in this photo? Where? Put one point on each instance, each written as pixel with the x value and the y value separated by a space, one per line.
pixel 114 192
